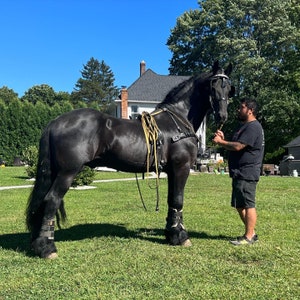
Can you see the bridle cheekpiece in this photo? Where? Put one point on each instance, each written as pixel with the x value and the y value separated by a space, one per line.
pixel 224 78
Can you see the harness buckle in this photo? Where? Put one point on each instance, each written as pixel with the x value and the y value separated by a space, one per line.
pixel 175 138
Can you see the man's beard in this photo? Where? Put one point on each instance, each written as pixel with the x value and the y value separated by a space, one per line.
pixel 241 118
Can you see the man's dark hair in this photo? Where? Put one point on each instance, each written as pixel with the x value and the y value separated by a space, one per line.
pixel 251 104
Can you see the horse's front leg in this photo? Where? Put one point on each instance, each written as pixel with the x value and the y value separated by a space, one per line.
pixel 175 232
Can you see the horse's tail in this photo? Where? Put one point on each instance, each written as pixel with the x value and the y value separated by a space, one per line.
pixel 45 176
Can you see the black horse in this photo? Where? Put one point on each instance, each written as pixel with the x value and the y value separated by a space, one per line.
pixel 88 137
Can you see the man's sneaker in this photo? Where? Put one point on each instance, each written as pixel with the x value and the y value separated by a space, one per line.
pixel 242 240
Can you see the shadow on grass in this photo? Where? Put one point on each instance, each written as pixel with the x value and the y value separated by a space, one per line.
pixel 20 242
pixel 84 231
pixel 21 177
pixel 206 236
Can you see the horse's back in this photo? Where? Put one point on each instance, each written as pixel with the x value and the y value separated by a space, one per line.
pixel 88 136
pixel 75 118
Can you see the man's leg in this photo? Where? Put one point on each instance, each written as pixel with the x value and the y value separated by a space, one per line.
pixel 249 217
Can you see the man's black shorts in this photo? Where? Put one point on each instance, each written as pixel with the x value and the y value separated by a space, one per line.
pixel 243 193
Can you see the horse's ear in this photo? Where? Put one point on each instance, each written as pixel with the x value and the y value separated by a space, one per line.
pixel 215 67
pixel 232 92
pixel 228 69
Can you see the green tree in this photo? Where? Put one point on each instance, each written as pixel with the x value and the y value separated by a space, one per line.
pixel 292 58
pixel 3 130
pixel 43 93
pixel 96 86
pixel 255 35
pixel 261 38
pixel 58 109
pixel 29 125
pixel 22 123
pixel 7 95
pixel 280 114
pixel 12 131
pixel 62 96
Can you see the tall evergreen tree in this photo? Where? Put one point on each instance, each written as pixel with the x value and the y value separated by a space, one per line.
pixel 96 86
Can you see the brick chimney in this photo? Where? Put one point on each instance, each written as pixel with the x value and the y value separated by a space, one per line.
pixel 124 103
pixel 142 67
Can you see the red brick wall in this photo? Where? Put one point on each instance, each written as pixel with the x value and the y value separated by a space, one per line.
pixel 124 103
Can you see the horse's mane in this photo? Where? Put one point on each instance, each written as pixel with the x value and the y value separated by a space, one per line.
pixel 184 89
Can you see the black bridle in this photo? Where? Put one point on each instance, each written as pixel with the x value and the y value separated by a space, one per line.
pixel 225 79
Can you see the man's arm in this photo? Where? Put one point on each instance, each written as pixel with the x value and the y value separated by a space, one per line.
pixel 231 146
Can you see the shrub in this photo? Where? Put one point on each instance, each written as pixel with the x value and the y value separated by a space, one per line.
pixel 30 157
pixel 85 177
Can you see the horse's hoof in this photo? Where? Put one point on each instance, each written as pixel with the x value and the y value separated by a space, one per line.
pixel 52 255
pixel 187 243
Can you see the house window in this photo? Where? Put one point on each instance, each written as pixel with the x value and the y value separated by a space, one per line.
pixel 134 111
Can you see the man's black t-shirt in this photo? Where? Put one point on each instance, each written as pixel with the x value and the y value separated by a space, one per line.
pixel 246 163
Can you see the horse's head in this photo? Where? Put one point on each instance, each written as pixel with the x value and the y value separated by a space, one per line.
pixel 220 92
pixel 200 94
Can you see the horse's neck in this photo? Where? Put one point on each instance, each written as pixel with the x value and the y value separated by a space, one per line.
pixel 197 119
pixel 180 108
pixel 195 115
pixel 191 101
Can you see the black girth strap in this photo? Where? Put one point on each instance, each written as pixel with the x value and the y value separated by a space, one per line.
pixel 185 123
pixel 183 135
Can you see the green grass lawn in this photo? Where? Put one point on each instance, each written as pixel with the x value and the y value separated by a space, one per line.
pixel 110 248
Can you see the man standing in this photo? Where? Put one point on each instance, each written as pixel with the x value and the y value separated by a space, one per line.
pixel 245 160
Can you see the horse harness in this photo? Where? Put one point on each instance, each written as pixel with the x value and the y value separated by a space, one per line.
pixel 155 141
pixel 155 138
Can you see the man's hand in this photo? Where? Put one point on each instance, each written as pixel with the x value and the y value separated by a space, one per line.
pixel 232 146
pixel 218 137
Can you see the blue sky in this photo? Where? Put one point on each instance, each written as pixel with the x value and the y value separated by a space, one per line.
pixel 49 41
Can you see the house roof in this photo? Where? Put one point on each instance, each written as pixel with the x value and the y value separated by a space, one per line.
pixel 294 143
pixel 151 87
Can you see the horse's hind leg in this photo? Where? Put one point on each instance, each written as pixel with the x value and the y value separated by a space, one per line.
pixel 43 235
